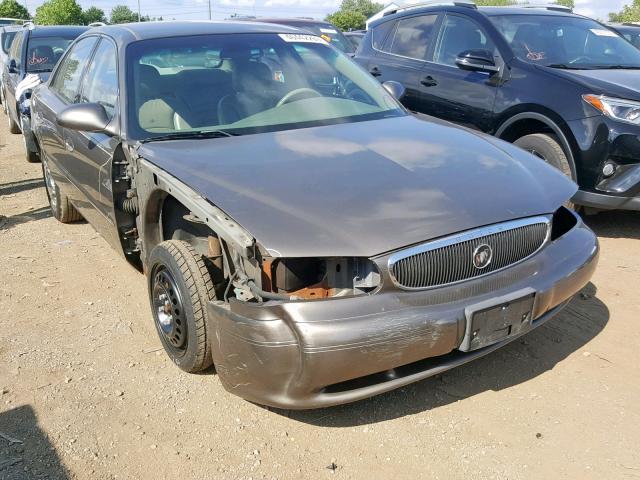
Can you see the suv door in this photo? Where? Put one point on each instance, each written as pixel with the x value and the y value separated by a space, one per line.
pixel 460 96
pixel 403 53
pixel 62 91
pixel 93 151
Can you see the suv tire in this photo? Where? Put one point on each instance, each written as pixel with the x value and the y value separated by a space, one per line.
pixel 61 207
pixel 179 289
pixel 548 148
pixel 13 126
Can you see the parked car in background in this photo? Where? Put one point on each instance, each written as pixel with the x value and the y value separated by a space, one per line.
pixel 312 239
pixel 561 86
pixel 329 32
pixel 630 31
pixel 34 51
pixel 355 36
pixel 11 21
pixel 7 33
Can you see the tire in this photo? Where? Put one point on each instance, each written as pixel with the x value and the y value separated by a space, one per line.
pixel 31 157
pixel 61 207
pixel 13 126
pixel 179 289
pixel 548 148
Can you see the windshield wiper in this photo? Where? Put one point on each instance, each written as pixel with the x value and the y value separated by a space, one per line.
pixel 43 70
pixel 201 134
pixel 616 67
pixel 565 66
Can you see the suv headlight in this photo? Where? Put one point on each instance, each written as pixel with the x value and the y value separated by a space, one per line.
pixel 623 110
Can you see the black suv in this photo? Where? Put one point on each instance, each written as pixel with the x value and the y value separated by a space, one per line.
pixel 34 50
pixel 559 85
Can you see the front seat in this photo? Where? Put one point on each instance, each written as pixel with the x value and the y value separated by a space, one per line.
pixel 252 83
pixel 159 111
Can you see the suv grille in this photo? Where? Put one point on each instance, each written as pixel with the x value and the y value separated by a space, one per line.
pixel 468 255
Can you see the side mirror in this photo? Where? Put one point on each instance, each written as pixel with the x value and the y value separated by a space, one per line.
pixel 395 89
pixel 85 117
pixel 13 67
pixel 477 61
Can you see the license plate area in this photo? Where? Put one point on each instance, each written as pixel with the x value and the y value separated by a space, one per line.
pixel 503 318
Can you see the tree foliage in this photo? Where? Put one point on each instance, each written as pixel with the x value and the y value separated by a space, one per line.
pixel 629 13
pixel 353 14
pixel 92 15
pixel 123 14
pixel 13 9
pixel 59 12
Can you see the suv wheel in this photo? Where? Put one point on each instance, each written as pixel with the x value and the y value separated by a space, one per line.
pixel 13 126
pixel 548 148
pixel 32 157
pixel 179 289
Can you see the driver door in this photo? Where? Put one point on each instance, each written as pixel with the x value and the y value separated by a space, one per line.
pixel 466 98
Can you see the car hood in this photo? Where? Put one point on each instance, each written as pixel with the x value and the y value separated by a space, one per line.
pixel 363 189
pixel 614 83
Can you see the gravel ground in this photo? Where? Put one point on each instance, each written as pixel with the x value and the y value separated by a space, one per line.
pixel 86 392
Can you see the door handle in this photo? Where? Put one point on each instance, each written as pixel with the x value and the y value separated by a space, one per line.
pixel 429 81
pixel 375 71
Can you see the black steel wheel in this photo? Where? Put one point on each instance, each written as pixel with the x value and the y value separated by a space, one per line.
pixel 179 289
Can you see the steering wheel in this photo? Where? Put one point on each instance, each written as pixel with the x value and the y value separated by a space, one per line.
pixel 296 93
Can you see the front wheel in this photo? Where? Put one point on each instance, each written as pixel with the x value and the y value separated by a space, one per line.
pixel 61 207
pixel 179 289
pixel 13 126
pixel 548 148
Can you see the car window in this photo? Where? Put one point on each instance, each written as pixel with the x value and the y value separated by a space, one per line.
pixel 16 47
pixel 413 37
pixel 566 42
pixel 44 52
pixel 379 34
pixel 459 34
pixel 246 83
pixel 68 75
pixel 7 38
pixel 100 84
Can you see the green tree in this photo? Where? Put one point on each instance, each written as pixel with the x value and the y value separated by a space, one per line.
pixel 123 14
pixel 348 20
pixel 629 13
pixel 353 14
pixel 495 3
pixel 59 12
pixel 92 15
pixel 13 9
pixel 566 3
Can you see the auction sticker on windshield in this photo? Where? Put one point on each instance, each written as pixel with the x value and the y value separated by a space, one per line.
pixel 297 37
pixel 601 32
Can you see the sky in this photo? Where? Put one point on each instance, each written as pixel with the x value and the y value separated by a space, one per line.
pixel 199 9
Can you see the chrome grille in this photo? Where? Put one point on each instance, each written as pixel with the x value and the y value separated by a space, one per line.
pixel 451 260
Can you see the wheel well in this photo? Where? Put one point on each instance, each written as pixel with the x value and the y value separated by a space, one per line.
pixel 524 127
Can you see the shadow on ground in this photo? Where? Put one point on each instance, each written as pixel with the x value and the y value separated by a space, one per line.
pixel 10 188
pixel 25 450
pixel 617 224
pixel 539 351
pixel 31 216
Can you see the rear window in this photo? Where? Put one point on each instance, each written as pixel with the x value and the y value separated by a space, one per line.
pixel 7 38
pixel 44 52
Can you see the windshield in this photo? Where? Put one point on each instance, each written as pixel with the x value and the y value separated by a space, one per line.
pixel 566 42
pixel 247 83
pixel 7 38
pixel 44 52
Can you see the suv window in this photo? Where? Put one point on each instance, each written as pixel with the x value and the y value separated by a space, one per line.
pixel 7 38
pixel 16 48
pixel 69 73
pixel 379 34
pixel 44 52
pixel 413 37
pixel 459 34
pixel 100 84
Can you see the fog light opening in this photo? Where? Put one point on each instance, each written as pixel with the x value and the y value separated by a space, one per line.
pixel 609 169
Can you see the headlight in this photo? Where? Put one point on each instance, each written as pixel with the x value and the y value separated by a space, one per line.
pixel 315 278
pixel 623 110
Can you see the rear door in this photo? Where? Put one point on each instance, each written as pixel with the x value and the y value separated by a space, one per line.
pixel 62 91
pixel 401 56
pixel 460 96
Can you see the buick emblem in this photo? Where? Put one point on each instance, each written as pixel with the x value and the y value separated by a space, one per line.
pixel 482 256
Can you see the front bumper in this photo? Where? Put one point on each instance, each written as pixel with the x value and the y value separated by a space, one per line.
pixel 313 354
pixel 601 140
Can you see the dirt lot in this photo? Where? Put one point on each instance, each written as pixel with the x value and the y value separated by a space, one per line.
pixel 86 391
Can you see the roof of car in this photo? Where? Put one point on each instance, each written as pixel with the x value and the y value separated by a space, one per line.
pixel 494 11
pixel 47 31
pixel 148 30
pixel 288 21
